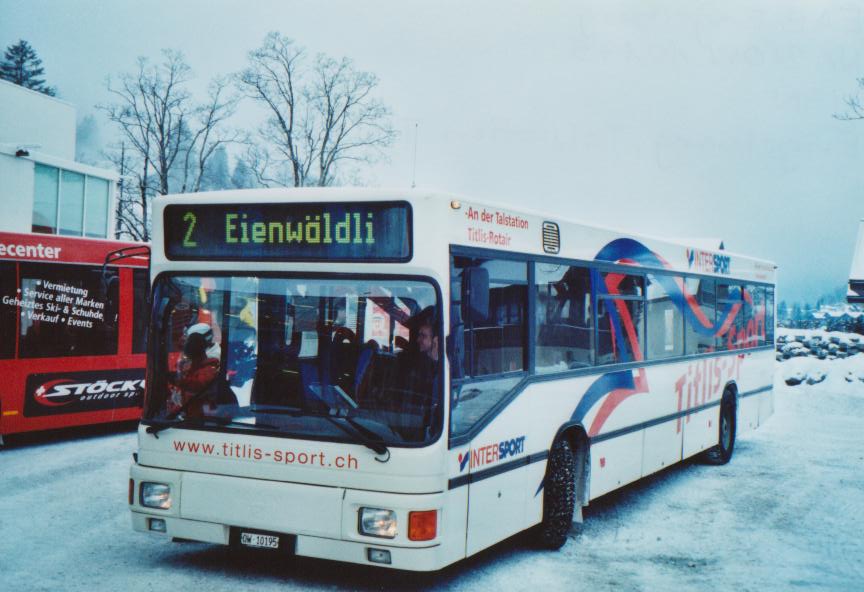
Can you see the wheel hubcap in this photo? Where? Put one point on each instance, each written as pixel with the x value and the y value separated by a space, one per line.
pixel 725 432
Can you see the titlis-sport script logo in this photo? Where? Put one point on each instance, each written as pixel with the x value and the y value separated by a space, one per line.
pixel 492 453
pixel 56 393
pixel 708 262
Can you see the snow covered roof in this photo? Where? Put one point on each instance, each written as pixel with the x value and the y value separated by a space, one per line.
pixel 856 274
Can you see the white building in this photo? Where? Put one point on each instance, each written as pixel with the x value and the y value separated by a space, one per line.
pixel 855 293
pixel 42 188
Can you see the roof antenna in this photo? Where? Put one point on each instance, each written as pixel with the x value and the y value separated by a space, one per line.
pixel 414 171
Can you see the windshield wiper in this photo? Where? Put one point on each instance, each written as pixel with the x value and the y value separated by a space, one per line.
pixel 362 434
pixel 164 424
pixel 357 431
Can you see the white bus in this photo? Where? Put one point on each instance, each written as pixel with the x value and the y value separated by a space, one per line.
pixel 405 378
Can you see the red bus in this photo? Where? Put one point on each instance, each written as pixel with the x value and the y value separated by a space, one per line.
pixel 72 333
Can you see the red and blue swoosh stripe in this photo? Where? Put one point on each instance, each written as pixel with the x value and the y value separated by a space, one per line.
pixel 615 387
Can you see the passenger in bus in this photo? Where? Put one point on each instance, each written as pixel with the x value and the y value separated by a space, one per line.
pixel 197 368
pixel 419 362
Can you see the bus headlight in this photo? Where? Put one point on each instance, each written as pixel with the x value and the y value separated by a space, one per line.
pixel 378 523
pixel 155 495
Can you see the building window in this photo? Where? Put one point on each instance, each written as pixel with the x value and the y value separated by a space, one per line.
pixel 96 208
pixel 45 187
pixel 69 203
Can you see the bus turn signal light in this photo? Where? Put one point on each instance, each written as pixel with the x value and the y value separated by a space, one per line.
pixel 422 526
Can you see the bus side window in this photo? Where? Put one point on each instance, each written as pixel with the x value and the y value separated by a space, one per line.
pixel 66 311
pixel 565 323
pixel 8 309
pixel 700 325
pixel 665 333
pixel 620 317
pixel 730 315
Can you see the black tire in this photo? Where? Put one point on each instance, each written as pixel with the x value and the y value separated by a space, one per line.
pixel 722 453
pixel 559 497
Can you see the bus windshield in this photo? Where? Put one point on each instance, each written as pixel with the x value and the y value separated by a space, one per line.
pixel 317 358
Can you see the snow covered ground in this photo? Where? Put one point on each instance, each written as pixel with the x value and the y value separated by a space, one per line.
pixel 786 514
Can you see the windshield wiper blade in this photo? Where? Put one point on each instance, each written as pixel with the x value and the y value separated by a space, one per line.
pixel 360 433
pixel 357 431
pixel 164 424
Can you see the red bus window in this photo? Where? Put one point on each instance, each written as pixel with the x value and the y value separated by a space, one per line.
pixel 8 300
pixel 140 312
pixel 66 311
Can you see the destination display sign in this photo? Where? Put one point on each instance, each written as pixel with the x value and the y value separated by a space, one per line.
pixel 367 231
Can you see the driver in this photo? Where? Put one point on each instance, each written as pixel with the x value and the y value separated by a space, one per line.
pixel 196 369
pixel 421 361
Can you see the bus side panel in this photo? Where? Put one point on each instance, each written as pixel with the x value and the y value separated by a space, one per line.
pixel 757 373
pixel 506 463
pixel 766 406
pixel 662 443
pixel 496 509
pixel 63 390
pixel 535 473
pixel 701 431
pixel 11 397
pixel 748 414
pixel 662 447
pixel 766 365
pixel 616 462
pixel 33 392
pixel 453 524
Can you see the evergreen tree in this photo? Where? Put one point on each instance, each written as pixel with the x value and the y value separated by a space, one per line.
pixel 242 177
pixel 216 175
pixel 23 67
pixel 783 311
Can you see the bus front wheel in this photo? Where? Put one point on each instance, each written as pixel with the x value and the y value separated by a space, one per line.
pixel 559 496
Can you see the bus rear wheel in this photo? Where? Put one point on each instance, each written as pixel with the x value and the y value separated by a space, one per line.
pixel 559 497
pixel 722 453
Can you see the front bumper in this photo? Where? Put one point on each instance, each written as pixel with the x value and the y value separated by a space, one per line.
pixel 323 519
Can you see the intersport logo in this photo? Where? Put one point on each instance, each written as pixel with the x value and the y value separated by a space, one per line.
pixel 491 453
pixel 707 261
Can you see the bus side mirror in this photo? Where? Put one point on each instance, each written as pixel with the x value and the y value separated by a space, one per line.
pixel 475 293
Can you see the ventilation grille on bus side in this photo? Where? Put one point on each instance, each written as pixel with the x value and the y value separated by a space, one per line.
pixel 551 238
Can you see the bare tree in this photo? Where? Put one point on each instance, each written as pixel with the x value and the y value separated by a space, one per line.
pixel 853 102
pixel 317 119
pixel 129 214
pixel 210 133
pixel 164 135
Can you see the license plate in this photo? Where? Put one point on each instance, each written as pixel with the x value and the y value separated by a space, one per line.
pixel 264 541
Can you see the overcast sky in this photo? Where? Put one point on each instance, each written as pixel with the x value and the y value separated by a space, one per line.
pixel 677 119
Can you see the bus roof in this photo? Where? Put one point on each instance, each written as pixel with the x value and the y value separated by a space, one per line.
pixel 62 249
pixel 681 255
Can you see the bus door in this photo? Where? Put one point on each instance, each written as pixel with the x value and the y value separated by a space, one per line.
pixel 489 325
